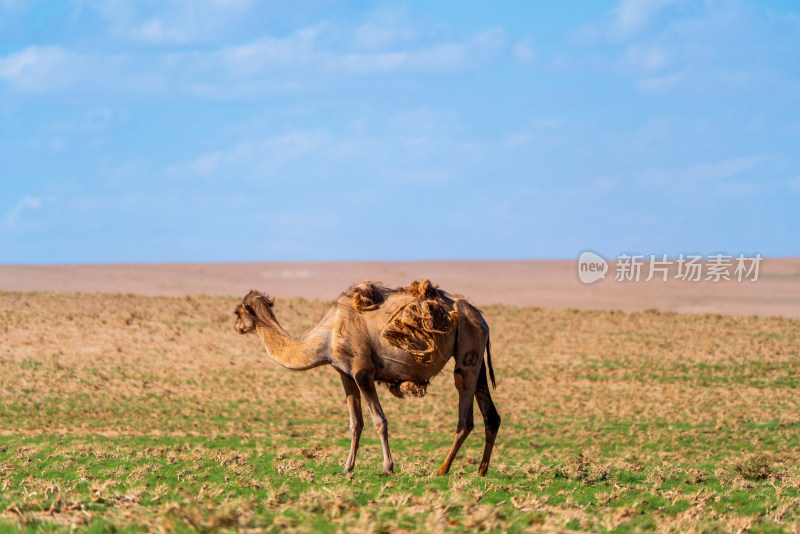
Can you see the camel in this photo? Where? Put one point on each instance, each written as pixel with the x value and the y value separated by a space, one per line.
pixel 400 337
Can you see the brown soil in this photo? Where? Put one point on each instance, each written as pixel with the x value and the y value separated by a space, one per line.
pixel 551 284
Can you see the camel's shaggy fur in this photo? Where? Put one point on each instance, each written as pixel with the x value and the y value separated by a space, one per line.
pixel 418 326
pixel 367 295
pixel 415 327
pixel 408 388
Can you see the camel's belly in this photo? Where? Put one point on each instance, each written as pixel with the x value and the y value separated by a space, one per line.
pixel 393 364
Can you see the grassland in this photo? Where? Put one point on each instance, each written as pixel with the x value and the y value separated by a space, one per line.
pixel 134 413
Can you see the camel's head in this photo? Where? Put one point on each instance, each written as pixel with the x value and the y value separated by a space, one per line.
pixel 255 310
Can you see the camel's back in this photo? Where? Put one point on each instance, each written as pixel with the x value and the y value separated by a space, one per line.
pixel 378 304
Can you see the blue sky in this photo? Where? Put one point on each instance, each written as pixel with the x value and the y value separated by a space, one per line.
pixel 237 130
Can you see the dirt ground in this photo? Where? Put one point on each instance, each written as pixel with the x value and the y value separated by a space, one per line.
pixel 550 284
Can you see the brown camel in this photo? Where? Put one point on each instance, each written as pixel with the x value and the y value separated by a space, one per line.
pixel 401 337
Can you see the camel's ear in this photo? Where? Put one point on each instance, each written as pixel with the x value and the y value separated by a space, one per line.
pixel 257 295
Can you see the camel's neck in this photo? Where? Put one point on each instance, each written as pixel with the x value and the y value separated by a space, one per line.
pixel 298 354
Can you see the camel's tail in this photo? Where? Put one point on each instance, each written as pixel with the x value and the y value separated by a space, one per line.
pixel 489 361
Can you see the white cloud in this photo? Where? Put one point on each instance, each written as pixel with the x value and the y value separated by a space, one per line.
pixel 156 31
pixel 416 176
pixel 737 176
pixel 661 84
pixel 531 132
pixel 91 121
pixel 393 154
pixel 169 21
pixel 425 121
pixel 13 217
pixel 448 56
pixel 51 69
pixel 234 5
pixel 523 52
pixel 743 189
pixel 309 59
pixel 720 170
pixel 262 157
pixel 12 5
pixel 545 123
pixel 713 80
pixel 646 57
pixel 695 50
pixel 266 52
pixel 598 186
pixel 625 22
pixel 363 63
pixel 301 50
pixel 300 62
pixel 206 164
pixel 38 69
pixel 385 26
pixel 518 139
pixel 632 16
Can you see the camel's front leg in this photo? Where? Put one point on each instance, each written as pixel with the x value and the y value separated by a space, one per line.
pixel 356 419
pixel 366 384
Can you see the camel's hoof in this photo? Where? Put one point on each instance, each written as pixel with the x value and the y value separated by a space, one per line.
pixel 483 468
pixel 443 470
pixel 388 470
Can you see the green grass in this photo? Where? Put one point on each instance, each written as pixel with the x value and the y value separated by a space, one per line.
pixel 197 482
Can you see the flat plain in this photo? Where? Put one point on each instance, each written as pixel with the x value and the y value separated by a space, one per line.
pixel 546 283
pixel 148 413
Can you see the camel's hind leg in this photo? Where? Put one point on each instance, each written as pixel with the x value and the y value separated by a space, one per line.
pixel 491 419
pixel 465 376
pixel 466 395
pixel 473 339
